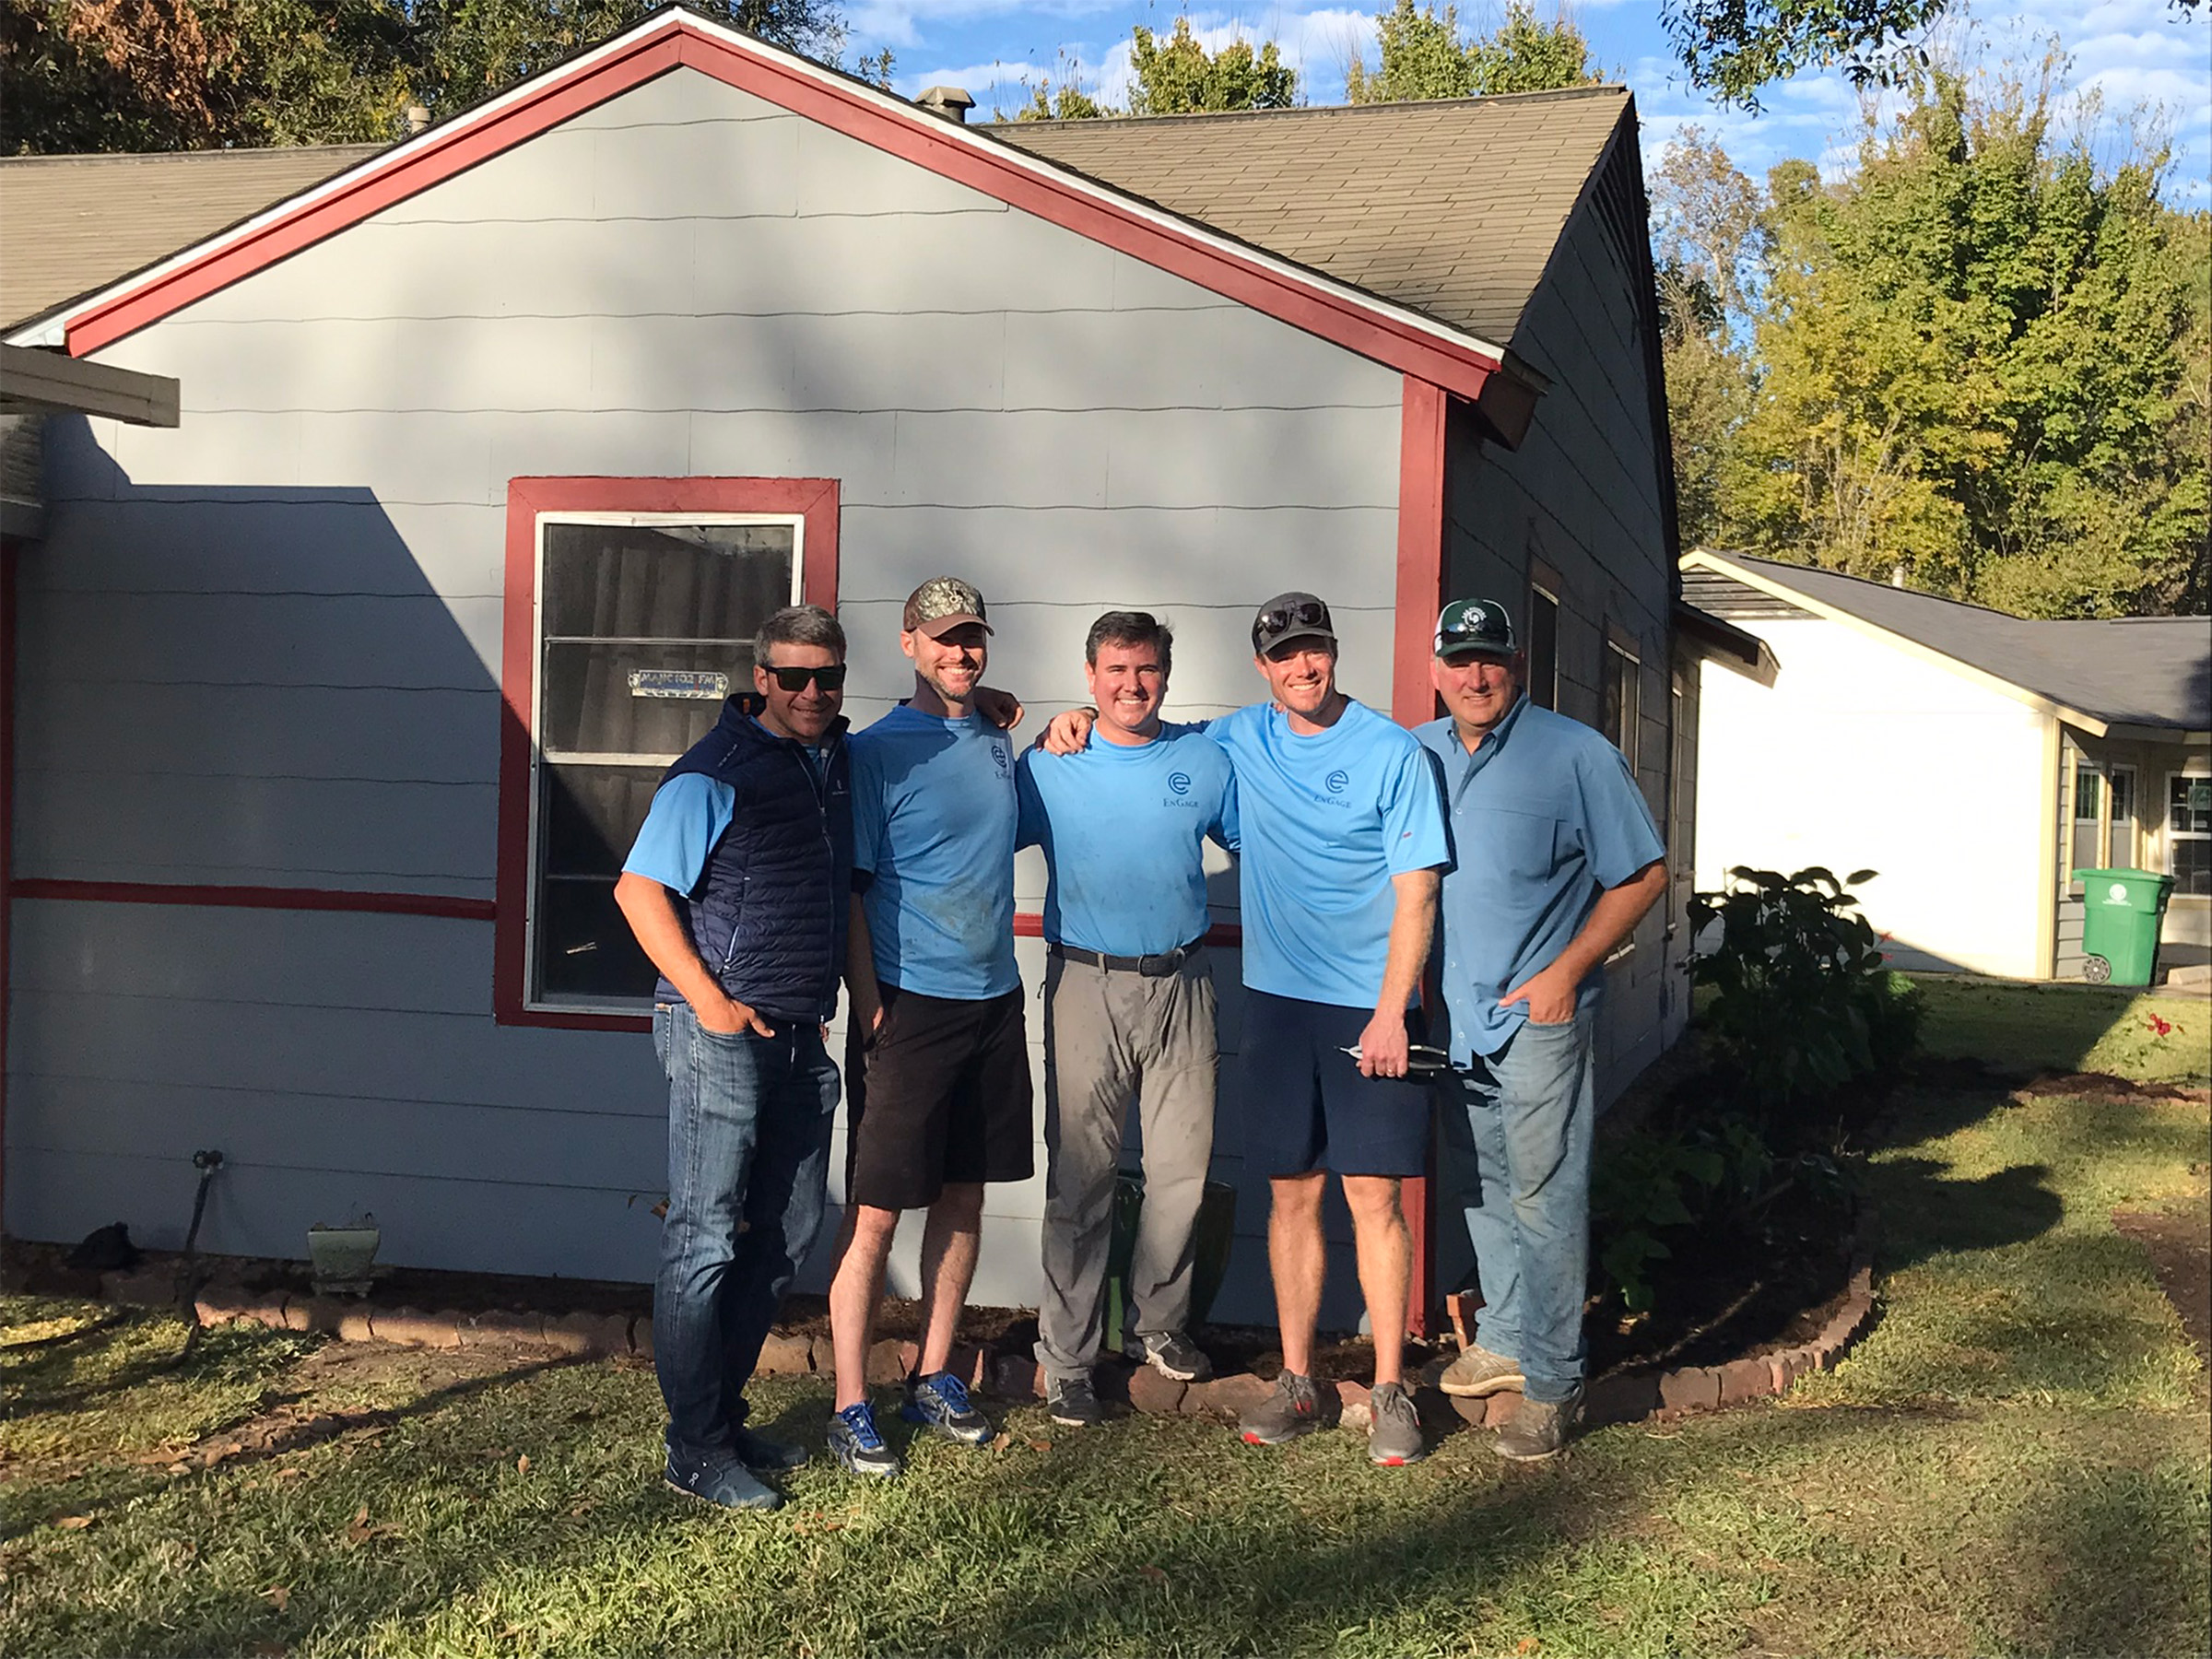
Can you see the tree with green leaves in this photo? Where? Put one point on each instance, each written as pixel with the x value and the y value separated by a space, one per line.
pixel 1423 55
pixel 1178 76
pixel 1977 361
pixel 155 74
pixel 1733 48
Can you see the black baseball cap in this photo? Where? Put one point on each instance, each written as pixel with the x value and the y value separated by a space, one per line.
pixel 1288 617
pixel 1476 627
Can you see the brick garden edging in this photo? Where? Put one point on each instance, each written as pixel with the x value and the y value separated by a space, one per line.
pixel 1624 1397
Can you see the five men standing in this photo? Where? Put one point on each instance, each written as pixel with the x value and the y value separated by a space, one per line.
pixel 737 890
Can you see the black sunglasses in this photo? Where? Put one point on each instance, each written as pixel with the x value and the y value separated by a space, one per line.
pixel 1306 613
pixel 795 678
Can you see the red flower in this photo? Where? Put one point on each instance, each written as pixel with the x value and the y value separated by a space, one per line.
pixel 2162 1028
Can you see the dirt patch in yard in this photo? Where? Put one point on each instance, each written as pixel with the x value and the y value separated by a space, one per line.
pixel 2181 1253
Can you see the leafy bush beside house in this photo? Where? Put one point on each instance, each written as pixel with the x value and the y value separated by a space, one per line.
pixel 1804 1027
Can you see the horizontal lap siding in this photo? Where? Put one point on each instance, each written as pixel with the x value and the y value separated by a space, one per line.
pixel 1581 495
pixel 263 648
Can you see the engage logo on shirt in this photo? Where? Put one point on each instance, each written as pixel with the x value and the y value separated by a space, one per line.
pixel 999 759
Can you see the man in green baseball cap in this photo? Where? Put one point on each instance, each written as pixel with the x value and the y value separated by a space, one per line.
pixel 1557 861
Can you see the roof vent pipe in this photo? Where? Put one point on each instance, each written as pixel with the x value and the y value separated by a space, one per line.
pixel 419 119
pixel 947 101
pixel 1896 575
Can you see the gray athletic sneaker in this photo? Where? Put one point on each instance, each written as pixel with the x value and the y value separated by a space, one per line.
pixel 1170 1353
pixel 1291 1410
pixel 1478 1372
pixel 1396 1436
pixel 1539 1429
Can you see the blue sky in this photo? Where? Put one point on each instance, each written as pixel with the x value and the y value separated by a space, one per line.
pixel 2126 52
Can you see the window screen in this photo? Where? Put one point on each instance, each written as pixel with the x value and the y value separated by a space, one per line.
pixel 1543 649
pixel 1619 700
pixel 2189 833
pixel 643 627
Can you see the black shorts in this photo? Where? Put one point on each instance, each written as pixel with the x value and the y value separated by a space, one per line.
pixel 1306 1107
pixel 939 1098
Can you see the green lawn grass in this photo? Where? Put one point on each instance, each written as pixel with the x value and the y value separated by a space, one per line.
pixel 2069 1027
pixel 2014 1461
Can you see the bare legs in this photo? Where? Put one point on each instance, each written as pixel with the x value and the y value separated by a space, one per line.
pixel 1297 1255
pixel 948 1252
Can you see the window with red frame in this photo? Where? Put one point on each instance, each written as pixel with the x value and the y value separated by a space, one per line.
pixel 641 624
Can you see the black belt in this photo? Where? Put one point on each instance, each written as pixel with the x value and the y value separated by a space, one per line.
pixel 1150 967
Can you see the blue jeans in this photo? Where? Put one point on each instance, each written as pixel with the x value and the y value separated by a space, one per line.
pixel 1517 1133
pixel 748 1155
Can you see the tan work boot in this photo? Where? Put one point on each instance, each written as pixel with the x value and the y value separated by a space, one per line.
pixel 1478 1373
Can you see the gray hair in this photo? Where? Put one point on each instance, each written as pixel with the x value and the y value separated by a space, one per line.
pixel 799 625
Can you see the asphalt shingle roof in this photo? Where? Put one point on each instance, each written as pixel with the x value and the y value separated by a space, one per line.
pixel 70 224
pixel 2153 671
pixel 1452 207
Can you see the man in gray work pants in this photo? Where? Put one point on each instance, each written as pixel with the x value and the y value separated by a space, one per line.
pixel 1129 1007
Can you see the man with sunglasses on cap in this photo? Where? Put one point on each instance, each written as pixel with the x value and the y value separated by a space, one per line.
pixel 1557 860
pixel 736 891
pixel 1343 842
pixel 938 1058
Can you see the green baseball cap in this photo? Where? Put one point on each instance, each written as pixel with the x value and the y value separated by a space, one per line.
pixel 1476 627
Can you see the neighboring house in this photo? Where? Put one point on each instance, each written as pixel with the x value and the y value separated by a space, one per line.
pixel 1975 759
pixel 337 706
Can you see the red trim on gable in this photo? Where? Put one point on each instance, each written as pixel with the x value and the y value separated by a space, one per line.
pixel 1374 330
pixel 815 500
pixel 1413 701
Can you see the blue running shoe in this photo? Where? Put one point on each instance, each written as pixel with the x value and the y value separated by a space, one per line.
pixel 722 1483
pixel 940 1402
pixel 855 1443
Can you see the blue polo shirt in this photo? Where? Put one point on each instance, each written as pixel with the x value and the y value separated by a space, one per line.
pixel 1544 813
pixel 933 828
pixel 1327 819
pixel 1123 827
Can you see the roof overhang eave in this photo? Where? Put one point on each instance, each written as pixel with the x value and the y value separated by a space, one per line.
pixel 35 381
pixel 1720 641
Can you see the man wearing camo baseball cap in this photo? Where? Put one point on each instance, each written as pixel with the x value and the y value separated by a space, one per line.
pixel 938 1060
pixel 1557 859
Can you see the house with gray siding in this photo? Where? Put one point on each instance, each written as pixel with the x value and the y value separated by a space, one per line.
pixel 334 707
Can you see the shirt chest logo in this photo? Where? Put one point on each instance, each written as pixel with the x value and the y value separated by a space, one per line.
pixel 998 757
pixel 1338 782
pixel 1179 782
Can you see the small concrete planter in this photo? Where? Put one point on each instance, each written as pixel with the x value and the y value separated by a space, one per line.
pixel 342 1257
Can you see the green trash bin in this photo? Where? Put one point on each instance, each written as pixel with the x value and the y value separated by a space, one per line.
pixel 2121 912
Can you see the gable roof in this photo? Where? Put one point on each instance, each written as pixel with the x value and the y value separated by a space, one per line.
pixel 70 225
pixel 1452 207
pixel 1416 238
pixel 2153 673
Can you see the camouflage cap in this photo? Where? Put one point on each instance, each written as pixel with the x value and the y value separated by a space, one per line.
pixel 943 604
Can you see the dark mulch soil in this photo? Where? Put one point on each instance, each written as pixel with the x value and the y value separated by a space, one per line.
pixel 2181 1253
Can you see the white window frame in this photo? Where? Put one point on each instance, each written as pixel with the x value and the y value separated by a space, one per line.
pixel 533 1001
pixel 1632 674
pixel 2168 834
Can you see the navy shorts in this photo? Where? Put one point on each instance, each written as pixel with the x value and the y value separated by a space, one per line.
pixel 1304 1104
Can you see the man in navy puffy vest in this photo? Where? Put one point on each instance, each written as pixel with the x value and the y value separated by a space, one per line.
pixel 737 890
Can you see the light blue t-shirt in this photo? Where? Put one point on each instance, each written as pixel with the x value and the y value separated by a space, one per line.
pixel 1123 830
pixel 1328 820
pixel 687 817
pixel 1544 813
pixel 933 825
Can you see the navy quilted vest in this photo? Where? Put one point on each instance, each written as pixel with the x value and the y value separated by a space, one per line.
pixel 769 912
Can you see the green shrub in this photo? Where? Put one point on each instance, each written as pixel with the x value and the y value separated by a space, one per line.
pixel 1803 1005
